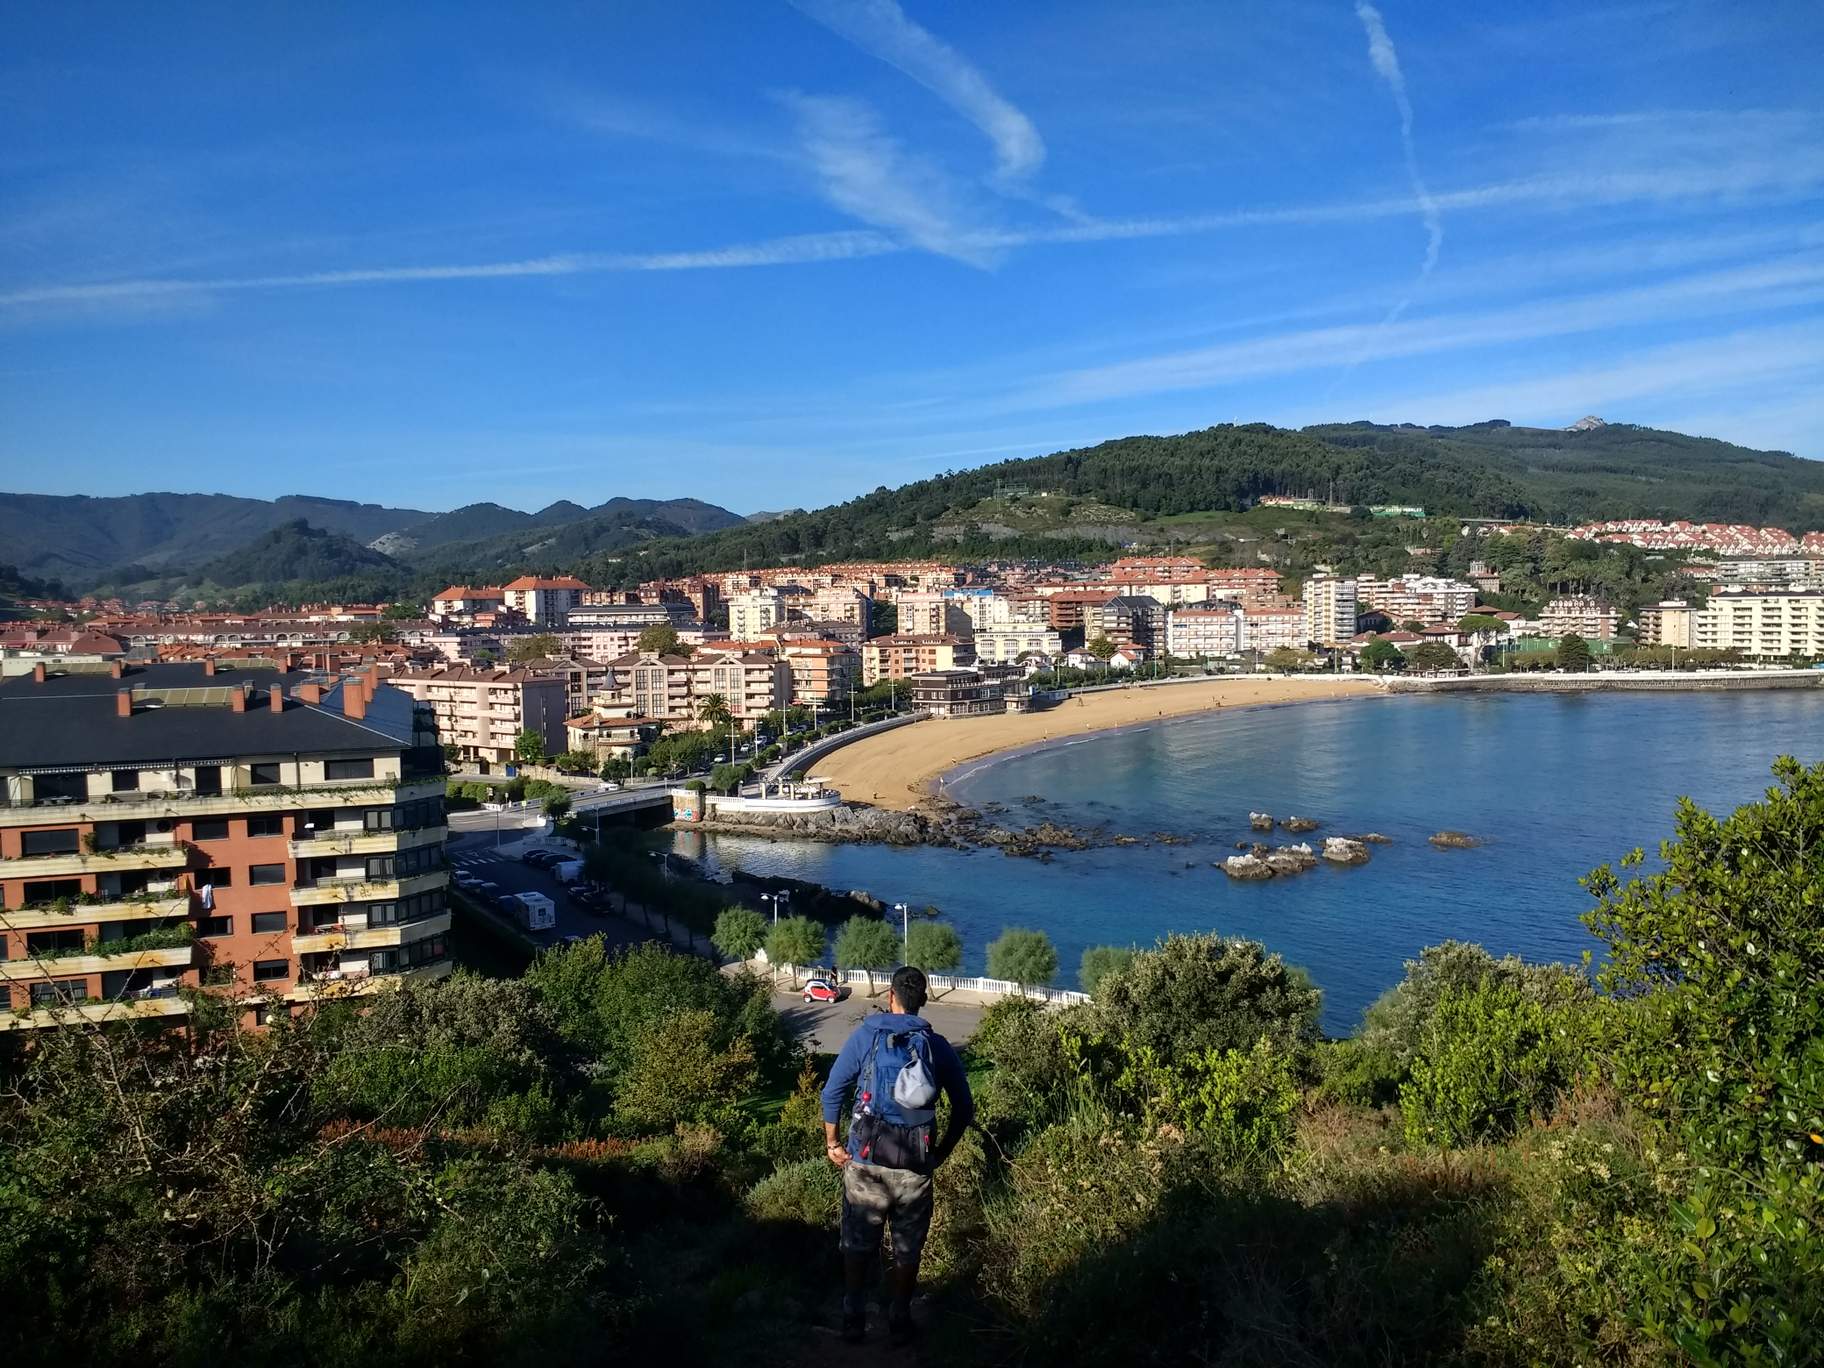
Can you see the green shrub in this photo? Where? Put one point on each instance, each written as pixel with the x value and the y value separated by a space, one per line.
pixel 1236 1104
pixel 808 1192
pixel 1358 1074
pixel 1398 1020
pixel 1098 962
pixel 1490 1058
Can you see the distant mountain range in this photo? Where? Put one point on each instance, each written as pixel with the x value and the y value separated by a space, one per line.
pixel 195 539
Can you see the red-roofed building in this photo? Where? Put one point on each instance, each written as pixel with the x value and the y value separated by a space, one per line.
pixel 546 602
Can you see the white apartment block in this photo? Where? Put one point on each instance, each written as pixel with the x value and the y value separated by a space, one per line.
pixel 671 688
pixel 1202 632
pixel 1267 629
pixel 837 604
pixel 546 602
pixel 1421 598
pixel 1763 625
pixel 1666 623
pixel 1330 610
pixel 1581 615
pixel 931 613
pixel 753 612
pixel 482 712
pixel 1004 643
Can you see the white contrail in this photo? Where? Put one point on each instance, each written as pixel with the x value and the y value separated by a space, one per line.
pixel 1387 65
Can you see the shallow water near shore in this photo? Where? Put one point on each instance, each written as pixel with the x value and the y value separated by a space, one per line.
pixel 1554 785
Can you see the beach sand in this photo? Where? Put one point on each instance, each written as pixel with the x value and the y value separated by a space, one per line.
pixel 898 769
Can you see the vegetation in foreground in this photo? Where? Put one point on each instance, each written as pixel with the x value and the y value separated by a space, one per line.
pixel 1509 1163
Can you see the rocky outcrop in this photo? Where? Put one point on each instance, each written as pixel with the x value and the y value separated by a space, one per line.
pixel 1260 821
pixel 867 824
pixel 1247 867
pixel 1294 859
pixel 1373 838
pixel 1341 850
pixel 1300 823
pixel 1046 836
pixel 1455 840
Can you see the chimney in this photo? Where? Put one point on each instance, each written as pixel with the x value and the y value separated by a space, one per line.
pixel 354 701
pixel 238 699
pixel 38 673
pixel 209 667
pixel 123 702
pixel 275 697
pixel 114 669
pixel 309 693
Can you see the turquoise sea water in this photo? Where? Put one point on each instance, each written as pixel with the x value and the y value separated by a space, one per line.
pixel 1553 784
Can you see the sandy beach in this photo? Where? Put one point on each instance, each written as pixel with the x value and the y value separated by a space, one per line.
pixel 897 769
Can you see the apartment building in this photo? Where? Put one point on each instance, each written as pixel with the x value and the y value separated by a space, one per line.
pixel 1136 620
pixel 630 616
pixel 820 670
pixel 1584 615
pixel 271 836
pixel 1267 629
pixel 903 655
pixel 701 595
pixel 544 602
pixel 672 688
pixel 1666 623
pixel 1770 624
pixel 1156 570
pixel 1069 609
pixel 754 611
pixel 1005 643
pixel 1415 598
pixel 838 603
pixel 965 693
pixel 930 613
pixel 463 602
pixel 482 712
pixel 1195 633
pixel 1241 582
pixel 1330 610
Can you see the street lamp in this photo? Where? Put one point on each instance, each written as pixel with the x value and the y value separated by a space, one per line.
pixel 905 927
pixel 782 896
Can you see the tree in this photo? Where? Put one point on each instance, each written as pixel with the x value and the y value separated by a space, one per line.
pixel 1286 659
pixel 576 762
pixel 934 947
pixel 540 646
pixel 1412 625
pixel 713 709
pixel 740 931
pixel 403 611
pixel 866 943
pixel 1381 654
pixel 366 632
pixel 661 639
pixel 1101 648
pixel 1027 958
pixel 1481 623
pixel 529 746
pixel 797 941
pixel 1098 962
pixel 1434 655
pixel 1573 654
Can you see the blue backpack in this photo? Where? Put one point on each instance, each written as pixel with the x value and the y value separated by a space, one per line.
pixel 896 1104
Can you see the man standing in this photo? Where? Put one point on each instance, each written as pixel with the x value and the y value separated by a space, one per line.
pixel 894 1065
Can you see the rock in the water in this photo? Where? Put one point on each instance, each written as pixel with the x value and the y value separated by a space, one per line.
pixel 1454 840
pixel 1342 850
pixel 1373 838
pixel 1247 867
pixel 1260 821
pixel 1294 859
pixel 1301 824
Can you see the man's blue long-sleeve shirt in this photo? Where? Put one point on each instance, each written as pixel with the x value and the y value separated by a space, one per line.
pixel 948 1068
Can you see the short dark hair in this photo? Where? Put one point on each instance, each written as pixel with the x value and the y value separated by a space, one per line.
pixel 909 988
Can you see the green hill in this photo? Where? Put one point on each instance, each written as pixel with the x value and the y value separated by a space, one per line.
pixel 297 551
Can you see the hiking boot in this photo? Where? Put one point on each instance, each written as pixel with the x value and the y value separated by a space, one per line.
pixel 854 1326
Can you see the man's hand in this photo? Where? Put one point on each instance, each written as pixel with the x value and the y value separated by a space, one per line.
pixel 836 1154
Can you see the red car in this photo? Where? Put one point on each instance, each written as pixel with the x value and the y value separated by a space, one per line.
pixel 822 990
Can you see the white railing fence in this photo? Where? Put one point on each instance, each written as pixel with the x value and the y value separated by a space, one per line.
pixel 940 983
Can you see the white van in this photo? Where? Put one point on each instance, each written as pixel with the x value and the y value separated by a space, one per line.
pixel 536 911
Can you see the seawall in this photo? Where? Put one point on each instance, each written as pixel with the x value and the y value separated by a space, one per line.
pixel 1642 680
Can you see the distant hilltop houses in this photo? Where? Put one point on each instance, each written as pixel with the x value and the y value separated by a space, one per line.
pixel 1727 539
pixel 1320 506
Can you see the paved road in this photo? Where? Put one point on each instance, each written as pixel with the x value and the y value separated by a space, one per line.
pixel 825 1025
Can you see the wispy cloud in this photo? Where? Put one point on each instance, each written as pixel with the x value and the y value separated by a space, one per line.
pixel 881 28
pixel 1386 62
pixel 866 172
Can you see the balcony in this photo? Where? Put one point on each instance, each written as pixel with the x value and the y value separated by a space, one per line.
pixel 353 842
pixel 72 914
pixel 159 1002
pixel 188 803
pixel 355 934
pixel 344 983
pixel 61 966
pixel 357 889
pixel 166 853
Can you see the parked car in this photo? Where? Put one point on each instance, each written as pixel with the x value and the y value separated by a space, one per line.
pixel 466 881
pixel 540 859
pixel 607 786
pixel 821 990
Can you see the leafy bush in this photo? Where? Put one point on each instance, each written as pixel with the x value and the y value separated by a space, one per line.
pixel 934 947
pixel 1490 1058
pixel 808 1192
pixel 686 1066
pixel 1237 1104
pixel 1027 958
pixel 739 933
pixel 1099 961
pixel 1398 1020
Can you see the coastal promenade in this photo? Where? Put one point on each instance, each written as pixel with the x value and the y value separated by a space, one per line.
pixel 901 769
pixel 1644 681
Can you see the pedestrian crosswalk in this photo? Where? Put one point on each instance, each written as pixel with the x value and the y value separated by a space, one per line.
pixel 473 858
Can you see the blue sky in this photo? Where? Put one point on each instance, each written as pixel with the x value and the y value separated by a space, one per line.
pixel 777 254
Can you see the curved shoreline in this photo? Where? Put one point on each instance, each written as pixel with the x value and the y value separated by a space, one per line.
pixel 901 770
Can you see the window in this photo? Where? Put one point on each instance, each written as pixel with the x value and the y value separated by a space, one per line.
pixel 124 781
pixel 62 841
pixel 215 926
pixel 55 942
pixel 208 779
pixel 259 1014
pixel 379 819
pixel 263 772
pixel 384 914
pixel 266 874
pixel 268 921
pixel 380 866
pixel 51 994
pixel 267 824
pixel 349 769
pixel 62 787
pixel 217 876
pixel 264 971
pixel 49 890
pixel 209 829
